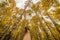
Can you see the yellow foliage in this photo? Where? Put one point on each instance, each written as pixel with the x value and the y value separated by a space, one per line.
pixel 42 25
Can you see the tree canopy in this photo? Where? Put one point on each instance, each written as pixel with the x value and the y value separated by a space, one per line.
pixel 41 19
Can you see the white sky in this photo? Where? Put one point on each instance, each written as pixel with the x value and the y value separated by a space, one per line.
pixel 21 3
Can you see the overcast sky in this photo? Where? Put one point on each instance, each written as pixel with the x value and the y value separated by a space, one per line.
pixel 21 3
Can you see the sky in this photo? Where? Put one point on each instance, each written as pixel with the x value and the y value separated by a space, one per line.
pixel 21 3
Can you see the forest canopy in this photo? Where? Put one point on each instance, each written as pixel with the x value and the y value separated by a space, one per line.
pixel 41 19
